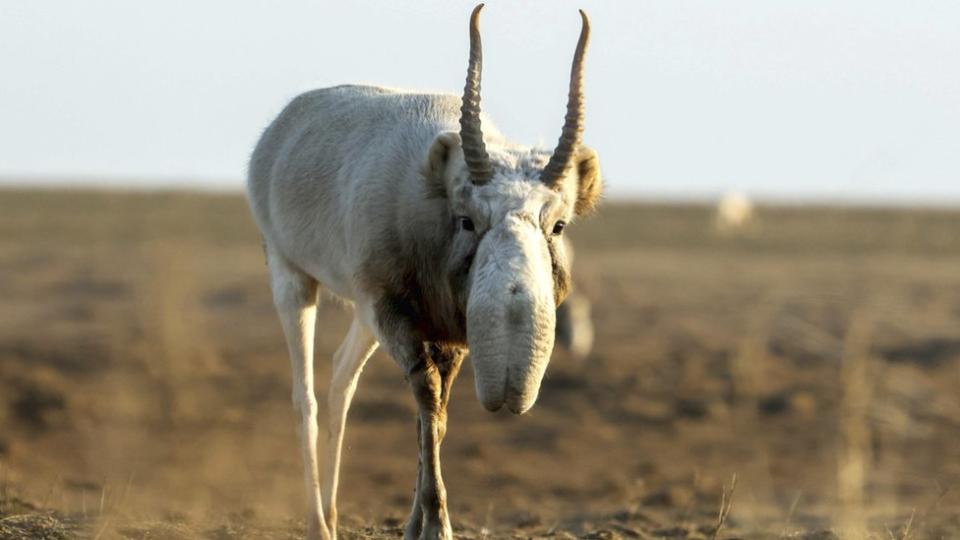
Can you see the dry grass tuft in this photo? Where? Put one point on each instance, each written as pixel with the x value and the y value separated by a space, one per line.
pixel 36 526
pixel 855 456
pixel 726 504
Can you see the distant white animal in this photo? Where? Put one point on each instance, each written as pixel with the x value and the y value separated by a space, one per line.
pixel 734 212
pixel 574 322
pixel 445 238
pixel 575 326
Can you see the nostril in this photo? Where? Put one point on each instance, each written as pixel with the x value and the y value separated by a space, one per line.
pixel 515 289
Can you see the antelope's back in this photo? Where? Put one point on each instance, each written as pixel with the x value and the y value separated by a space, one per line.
pixel 339 160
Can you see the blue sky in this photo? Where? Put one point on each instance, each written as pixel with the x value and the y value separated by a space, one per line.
pixel 789 100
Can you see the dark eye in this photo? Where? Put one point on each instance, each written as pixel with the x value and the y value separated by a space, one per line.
pixel 466 223
pixel 558 227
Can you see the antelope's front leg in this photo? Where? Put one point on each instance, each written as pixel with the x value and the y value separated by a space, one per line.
pixel 415 522
pixel 427 384
pixel 429 517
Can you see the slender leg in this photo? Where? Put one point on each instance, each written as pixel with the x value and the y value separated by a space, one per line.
pixel 427 386
pixel 295 297
pixel 431 384
pixel 415 521
pixel 428 367
pixel 449 368
pixel 348 362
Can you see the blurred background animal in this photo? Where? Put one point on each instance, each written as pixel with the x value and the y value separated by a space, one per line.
pixel 734 213
pixel 574 320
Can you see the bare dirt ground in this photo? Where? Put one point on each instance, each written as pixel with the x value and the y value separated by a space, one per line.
pixel 815 356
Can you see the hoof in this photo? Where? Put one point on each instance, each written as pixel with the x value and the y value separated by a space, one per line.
pixel 317 530
pixel 437 532
pixel 411 531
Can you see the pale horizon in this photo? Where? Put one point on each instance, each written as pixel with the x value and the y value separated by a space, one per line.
pixel 813 101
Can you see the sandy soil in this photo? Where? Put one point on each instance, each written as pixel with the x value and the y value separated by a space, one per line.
pixel 815 355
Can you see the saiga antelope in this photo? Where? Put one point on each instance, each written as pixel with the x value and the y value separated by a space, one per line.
pixel 445 237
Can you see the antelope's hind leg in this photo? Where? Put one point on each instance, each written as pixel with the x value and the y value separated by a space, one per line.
pixel 295 298
pixel 348 362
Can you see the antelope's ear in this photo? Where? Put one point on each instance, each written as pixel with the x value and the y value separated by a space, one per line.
pixel 589 181
pixel 444 161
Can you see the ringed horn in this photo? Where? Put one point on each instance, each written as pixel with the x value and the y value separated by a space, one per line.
pixel 471 134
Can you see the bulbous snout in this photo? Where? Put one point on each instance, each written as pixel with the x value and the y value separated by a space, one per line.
pixel 511 317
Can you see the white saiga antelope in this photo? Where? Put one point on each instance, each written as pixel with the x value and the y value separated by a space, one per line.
pixel 445 238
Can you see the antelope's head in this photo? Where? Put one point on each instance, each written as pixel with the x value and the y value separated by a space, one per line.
pixel 509 206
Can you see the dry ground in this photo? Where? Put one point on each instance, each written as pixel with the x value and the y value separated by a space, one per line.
pixel 144 388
